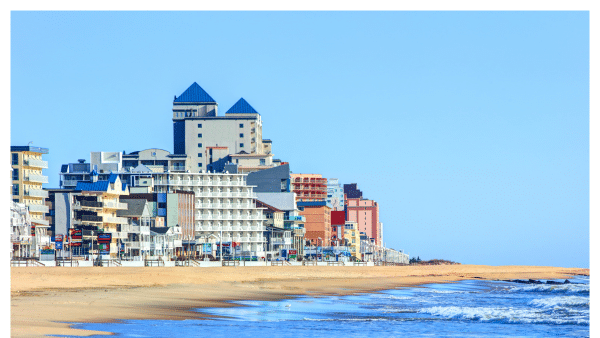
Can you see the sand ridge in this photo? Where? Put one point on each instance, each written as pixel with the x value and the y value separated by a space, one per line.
pixel 43 299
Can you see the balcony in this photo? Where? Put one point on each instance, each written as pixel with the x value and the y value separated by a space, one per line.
pixel 115 205
pixel 87 204
pixel 40 222
pixel 38 208
pixel 36 178
pixel 36 163
pixel 36 193
pixel 69 183
pixel 112 219
pixel 91 218
pixel 176 168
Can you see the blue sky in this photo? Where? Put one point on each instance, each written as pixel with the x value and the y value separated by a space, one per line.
pixel 470 129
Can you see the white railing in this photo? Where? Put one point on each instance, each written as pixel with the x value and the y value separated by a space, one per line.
pixel 36 193
pixel 115 205
pixel 112 219
pixel 36 163
pixel 69 183
pixel 37 208
pixel 36 178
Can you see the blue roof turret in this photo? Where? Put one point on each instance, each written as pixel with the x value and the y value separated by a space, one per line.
pixel 195 94
pixel 241 107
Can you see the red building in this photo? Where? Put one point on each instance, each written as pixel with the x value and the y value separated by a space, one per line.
pixel 362 211
pixel 338 219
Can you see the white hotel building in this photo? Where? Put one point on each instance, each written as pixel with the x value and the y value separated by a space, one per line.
pixel 224 209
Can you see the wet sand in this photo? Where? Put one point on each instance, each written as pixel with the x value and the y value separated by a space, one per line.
pixel 43 299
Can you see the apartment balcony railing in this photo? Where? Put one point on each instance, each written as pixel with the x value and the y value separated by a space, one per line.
pixel 117 220
pixel 36 193
pixel 36 178
pixel 115 205
pixel 36 163
pixel 90 218
pixel 69 183
pixel 88 204
pixel 176 168
pixel 38 208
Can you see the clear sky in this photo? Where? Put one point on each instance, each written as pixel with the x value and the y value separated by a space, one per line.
pixel 470 129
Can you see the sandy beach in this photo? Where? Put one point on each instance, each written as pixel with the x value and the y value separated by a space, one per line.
pixel 44 298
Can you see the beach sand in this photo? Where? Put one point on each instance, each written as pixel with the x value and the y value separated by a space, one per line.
pixel 44 298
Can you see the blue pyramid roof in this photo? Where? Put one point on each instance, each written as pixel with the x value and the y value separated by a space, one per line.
pixel 241 107
pixel 194 93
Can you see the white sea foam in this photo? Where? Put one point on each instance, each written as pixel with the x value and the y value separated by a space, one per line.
pixel 560 288
pixel 502 315
pixel 561 301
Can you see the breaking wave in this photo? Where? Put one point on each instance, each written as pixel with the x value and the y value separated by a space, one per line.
pixel 505 315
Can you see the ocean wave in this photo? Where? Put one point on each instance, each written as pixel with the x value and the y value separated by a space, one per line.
pixel 562 301
pixel 550 288
pixel 503 315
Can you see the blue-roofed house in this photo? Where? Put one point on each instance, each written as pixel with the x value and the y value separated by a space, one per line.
pixel 95 210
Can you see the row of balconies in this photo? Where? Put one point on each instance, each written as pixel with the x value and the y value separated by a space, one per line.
pixel 309 180
pixel 35 193
pixel 229 228
pixel 96 204
pixel 241 239
pixel 210 217
pixel 30 162
pixel 100 219
pixel 37 208
pixel 225 205
pixel 35 178
pixel 199 183
pixel 226 194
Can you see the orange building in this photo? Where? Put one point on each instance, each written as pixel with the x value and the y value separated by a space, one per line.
pixel 318 222
pixel 309 187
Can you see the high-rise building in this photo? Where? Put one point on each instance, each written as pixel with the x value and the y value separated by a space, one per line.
pixel 364 212
pixel 198 129
pixel 309 187
pixel 27 180
pixel 335 195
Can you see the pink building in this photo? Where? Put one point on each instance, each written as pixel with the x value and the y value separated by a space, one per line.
pixel 366 215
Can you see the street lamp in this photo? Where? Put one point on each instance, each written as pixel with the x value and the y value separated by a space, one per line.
pixel 321 247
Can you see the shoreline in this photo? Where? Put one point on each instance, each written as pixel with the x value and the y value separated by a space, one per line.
pixel 47 300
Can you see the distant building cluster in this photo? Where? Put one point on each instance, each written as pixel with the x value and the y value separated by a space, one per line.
pixel 219 196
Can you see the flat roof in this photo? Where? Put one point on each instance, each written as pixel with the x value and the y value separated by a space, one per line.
pixel 30 149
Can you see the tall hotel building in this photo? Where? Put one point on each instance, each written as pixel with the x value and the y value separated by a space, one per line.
pixel 205 137
pixel 225 209
pixel 27 180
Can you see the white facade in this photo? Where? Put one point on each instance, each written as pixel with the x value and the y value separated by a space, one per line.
pixel 225 210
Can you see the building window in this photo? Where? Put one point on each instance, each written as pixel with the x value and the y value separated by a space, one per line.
pixel 199 125
pixel 241 125
pixel 199 154
pixel 199 145
pixel 199 165
pixel 15 175
pixel 262 161
pixel 241 135
pixel 283 184
pixel 15 189
pixel 15 159
pixel 199 135
pixel 241 145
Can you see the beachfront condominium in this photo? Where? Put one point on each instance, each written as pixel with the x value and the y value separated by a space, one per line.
pixel 309 187
pixel 105 163
pixel 364 212
pixel 27 179
pixel 335 195
pixel 198 129
pixel 225 210
pixel 95 211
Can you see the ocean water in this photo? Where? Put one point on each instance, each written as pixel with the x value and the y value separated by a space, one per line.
pixel 463 309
